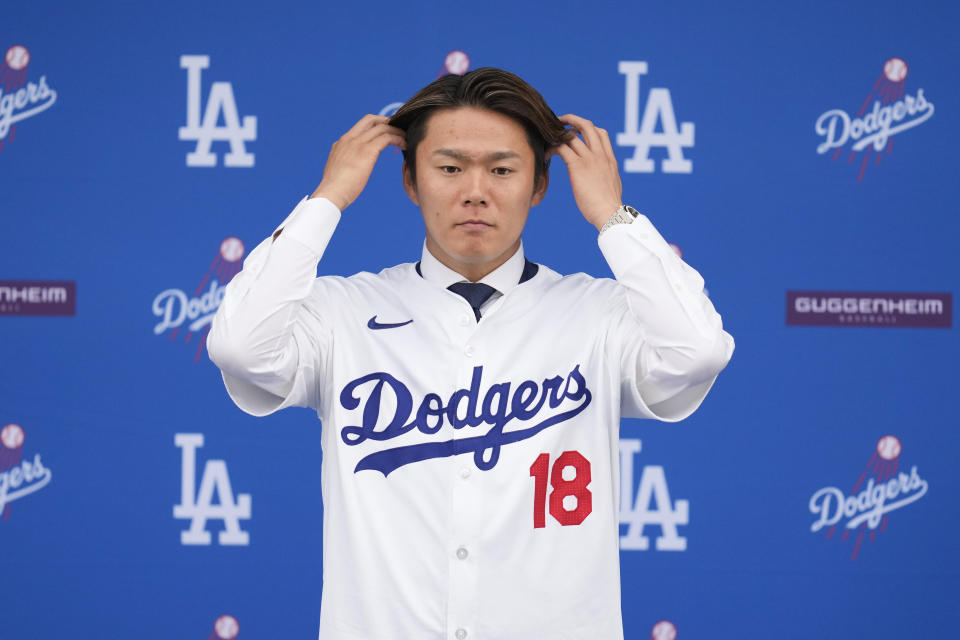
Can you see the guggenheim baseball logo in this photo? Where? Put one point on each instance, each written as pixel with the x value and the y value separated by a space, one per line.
pixel 38 298
pixel 870 309
pixel 175 307
pixel 866 507
pixel 887 111
pixel 18 477
pixel 19 98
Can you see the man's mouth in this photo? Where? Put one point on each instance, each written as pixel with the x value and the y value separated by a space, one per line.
pixel 474 225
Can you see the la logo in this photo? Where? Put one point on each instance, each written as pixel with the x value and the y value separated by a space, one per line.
pixel 659 108
pixel 636 512
pixel 215 480
pixel 220 101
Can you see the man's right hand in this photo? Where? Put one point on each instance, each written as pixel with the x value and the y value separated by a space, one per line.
pixel 352 158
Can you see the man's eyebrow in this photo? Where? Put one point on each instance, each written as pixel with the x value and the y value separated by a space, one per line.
pixel 456 154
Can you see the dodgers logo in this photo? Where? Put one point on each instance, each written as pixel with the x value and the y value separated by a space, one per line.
pixel 174 307
pixel 499 405
pixel 644 136
pixel 18 478
pixel 199 506
pixel 887 111
pixel 648 503
pixel 219 102
pixel 20 99
pixel 866 506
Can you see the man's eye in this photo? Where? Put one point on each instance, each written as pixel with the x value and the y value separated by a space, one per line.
pixel 449 169
pixel 503 171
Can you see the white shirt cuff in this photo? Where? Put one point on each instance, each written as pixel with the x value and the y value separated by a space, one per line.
pixel 312 223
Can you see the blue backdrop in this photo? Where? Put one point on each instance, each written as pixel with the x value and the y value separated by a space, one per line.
pixel 730 106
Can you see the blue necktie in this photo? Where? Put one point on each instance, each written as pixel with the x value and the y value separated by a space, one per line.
pixel 475 293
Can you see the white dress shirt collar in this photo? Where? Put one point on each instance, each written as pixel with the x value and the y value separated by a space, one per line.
pixel 503 278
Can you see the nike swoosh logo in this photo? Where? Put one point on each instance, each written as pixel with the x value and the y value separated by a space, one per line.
pixel 373 324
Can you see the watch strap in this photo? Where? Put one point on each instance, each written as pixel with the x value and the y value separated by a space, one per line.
pixel 624 215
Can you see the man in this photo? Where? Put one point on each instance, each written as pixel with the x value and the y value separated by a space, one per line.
pixel 470 431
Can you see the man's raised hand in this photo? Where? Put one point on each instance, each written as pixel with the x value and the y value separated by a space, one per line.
pixel 353 157
pixel 594 174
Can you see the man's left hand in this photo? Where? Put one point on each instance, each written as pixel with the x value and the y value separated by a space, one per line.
pixel 594 174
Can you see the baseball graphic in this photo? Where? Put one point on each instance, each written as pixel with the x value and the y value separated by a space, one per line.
pixel 17 57
pixel 457 62
pixel 231 249
pixel 663 630
pixel 390 109
pixel 12 436
pixel 226 627
pixel 889 447
pixel 895 70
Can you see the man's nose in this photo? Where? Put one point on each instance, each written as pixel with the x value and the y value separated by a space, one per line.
pixel 475 187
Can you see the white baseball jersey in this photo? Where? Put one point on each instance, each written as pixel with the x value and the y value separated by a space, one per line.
pixel 470 469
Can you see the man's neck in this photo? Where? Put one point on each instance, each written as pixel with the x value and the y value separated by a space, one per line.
pixel 474 272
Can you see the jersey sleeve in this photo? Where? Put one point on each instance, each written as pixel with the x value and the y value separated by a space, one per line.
pixel 270 337
pixel 671 341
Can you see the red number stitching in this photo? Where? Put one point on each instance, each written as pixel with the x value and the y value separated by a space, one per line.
pixel 576 486
pixel 539 470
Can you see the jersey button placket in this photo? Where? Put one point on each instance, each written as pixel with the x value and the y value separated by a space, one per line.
pixel 466 513
pixel 466 521
pixel 465 551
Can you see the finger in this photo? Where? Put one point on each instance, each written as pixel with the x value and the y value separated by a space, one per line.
pixel 607 147
pixel 381 138
pixel 565 152
pixel 392 139
pixel 364 124
pixel 586 129
pixel 379 127
pixel 385 139
pixel 378 130
pixel 577 145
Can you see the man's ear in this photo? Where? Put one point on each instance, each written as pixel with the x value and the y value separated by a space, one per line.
pixel 541 189
pixel 409 186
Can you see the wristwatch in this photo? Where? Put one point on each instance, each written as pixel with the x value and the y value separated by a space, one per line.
pixel 624 215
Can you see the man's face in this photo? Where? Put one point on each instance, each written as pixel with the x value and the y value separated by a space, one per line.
pixel 474 187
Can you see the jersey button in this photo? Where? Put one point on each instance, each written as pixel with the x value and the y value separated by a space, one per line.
pixel 465 473
pixel 460 634
pixel 469 351
pixel 464 320
pixel 462 553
